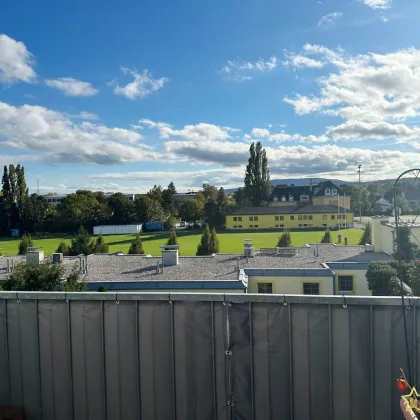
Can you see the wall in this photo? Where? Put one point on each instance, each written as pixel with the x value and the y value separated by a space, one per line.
pixel 332 201
pixel 194 357
pixel 360 286
pixel 267 221
pixel 291 284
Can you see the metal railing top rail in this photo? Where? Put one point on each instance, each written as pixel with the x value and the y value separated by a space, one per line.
pixel 217 297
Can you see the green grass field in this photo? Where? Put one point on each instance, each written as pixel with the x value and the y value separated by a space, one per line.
pixel 229 242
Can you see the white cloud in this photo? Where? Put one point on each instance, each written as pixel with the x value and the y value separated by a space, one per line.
pixel 142 86
pixel 260 132
pixel 198 132
pixel 378 4
pixel 239 70
pixel 72 87
pixel 56 138
pixel 16 62
pixel 300 61
pixel 369 87
pixel 298 138
pixel 330 19
pixel 88 116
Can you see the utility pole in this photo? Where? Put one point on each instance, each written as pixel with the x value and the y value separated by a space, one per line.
pixel 360 196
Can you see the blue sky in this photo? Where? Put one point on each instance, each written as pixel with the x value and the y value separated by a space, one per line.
pixel 123 96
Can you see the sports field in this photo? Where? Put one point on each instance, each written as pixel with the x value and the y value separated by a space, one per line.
pixel 229 242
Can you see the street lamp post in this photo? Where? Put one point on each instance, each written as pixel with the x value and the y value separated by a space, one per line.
pixel 360 197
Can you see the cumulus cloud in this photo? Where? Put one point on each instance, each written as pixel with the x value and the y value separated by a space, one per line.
pixel 240 71
pixel 330 19
pixel 72 87
pixel 59 139
pixel 141 87
pixel 368 87
pixel 259 132
pixel 378 4
pixel 197 132
pixel 16 62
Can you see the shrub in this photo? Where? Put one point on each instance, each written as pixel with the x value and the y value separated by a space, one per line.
pixel 285 240
pixel 99 246
pixel 214 242
pixel 81 244
pixel 173 240
pixel 204 245
pixel 170 223
pixel 63 248
pixel 367 235
pixel 101 288
pixel 326 239
pixel 136 246
pixel 24 243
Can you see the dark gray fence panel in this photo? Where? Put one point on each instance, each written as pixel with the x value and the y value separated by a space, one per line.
pixel 271 361
pixel 56 381
pixel 193 360
pixel 121 360
pixel 351 362
pixel 156 371
pixel 4 356
pixel 88 360
pixel 24 357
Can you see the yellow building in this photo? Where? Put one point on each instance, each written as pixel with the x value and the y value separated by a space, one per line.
pixel 321 205
pixel 289 217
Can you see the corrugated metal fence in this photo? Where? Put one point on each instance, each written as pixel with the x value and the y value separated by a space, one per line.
pixel 202 357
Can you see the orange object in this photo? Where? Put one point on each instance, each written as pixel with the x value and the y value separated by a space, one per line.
pixel 402 385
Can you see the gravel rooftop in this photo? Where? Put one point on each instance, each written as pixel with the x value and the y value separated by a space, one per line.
pixel 218 267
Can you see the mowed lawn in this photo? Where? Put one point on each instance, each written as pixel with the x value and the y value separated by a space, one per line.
pixel 229 242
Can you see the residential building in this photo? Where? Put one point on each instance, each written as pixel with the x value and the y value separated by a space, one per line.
pixel 383 233
pixel 290 217
pixel 297 207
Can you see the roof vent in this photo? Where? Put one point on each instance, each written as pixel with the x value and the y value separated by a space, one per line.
pixel 249 250
pixel 170 255
pixel 57 258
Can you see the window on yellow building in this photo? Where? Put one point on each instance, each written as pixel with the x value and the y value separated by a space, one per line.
pixel 265 287
pixel 276 217
pixel 300 217
pixel 311 288
pixel 234 226
pixel 251 226
pixel 345 283
pixel 255 218
pixel 281 225
pixel 292 217
pixel 305 217
pixel 276 226
pixel 251 218
pixel 255 226
pixel 310 217
pixel 235 219
pixel 300 224
pixel 239 219
pixel 332 216
pixel 324 217
pixel 281 217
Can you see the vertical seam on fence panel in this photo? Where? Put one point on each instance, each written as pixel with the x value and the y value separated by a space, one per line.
pixel 213 338
pixel 350 371
pixel 85 363
pixel 52 364
pixel 290 362
pixel 173 359
pixel 308 336
pixel 39 358
pixel 138 356
pixel 415 346
pixel 251 343
pixel 6 332
pixel 70 357
pixel 22 394
pixel 103 357
pixel 330 362
pixel 372 379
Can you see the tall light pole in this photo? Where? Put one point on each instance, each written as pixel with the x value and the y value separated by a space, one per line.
pixel 360 196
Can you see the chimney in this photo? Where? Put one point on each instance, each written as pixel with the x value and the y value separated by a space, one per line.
pixel 170 255
pixel 57 258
